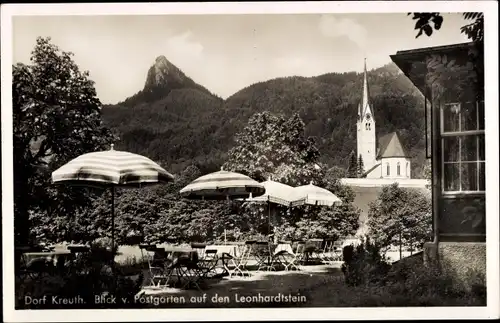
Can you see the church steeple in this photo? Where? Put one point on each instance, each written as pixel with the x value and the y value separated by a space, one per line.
pixel 365 101
pixel 366 140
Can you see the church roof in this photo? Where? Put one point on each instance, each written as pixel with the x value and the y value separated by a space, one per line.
pixel 370 170
pixel 364 105
pixel 390 146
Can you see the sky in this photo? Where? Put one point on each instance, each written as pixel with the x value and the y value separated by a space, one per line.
pixel 225 53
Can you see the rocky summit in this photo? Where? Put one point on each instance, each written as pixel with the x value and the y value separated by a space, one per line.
pixel 162 73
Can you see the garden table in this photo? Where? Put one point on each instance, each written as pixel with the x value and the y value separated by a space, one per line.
pixel 50 256
pixel 221 249
pixel 231 256
pixel 36 262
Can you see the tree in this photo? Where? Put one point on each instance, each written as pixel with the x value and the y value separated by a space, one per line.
pixel 427 22
pixel 327 222
pixel 352 171
pixel 271 146
pixel 401 217
pixel 56 117
pixel 461 78
pixel 361 167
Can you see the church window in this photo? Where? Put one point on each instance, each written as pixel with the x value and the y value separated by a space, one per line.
pixel 366 126
pixel 407 169
pixel 388 169
pixel 462 131
pixel 399 169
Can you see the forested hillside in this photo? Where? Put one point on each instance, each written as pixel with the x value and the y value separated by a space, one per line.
pixel 178 122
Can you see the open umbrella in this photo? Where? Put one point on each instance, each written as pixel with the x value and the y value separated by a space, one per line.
pixel 276 193
pixel 222 185
pixel 314 195
pixel 111 168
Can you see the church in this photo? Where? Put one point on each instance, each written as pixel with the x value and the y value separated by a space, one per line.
pixel 388 159
pixel 384 162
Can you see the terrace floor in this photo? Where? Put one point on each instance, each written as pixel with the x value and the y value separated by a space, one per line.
pixel 261 289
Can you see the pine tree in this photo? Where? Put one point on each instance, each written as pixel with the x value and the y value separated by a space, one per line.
pixel 353 167
pixel 361 167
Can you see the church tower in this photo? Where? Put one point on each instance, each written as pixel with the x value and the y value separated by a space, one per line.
pixel 366 141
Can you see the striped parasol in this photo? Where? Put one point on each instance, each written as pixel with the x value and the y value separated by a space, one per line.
pixel 222 185
pixel 314 195
pixel 276 192
pixel 110 169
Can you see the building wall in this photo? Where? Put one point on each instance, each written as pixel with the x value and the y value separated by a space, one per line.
pixel 379 182
pixel 366 142
pixel 464 261
pixel 405 167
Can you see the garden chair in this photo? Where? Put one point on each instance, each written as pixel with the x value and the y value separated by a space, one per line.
pixel 207 259
pixel 156 260
pixel 208 263
pixel 263 255
pixel 327 255
pixel 298 248
pixel 200 248
pixel 236 264
pixel 286 258
pixel 337 250
pixel 312 250
pixel 186 268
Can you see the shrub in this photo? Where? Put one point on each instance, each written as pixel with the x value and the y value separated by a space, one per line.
pixel 89 275
pixel 364 264
pixel 408 282
pixel 428 285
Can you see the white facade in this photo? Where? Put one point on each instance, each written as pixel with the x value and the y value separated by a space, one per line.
pixel 395 167
pixel 379 182
pixel 366 140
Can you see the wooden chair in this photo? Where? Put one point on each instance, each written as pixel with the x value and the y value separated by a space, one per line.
pixel 156 260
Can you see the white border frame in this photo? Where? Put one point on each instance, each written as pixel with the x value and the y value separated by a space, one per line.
pixel 490 9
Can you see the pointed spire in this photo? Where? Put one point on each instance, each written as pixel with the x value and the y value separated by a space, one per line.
pixel 364 102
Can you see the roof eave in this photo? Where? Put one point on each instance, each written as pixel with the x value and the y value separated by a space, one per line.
pixel 406 58
pixel 394 156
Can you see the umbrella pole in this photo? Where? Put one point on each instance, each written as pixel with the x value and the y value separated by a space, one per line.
pixel 229 204
pixel 112 221
pixel 269 219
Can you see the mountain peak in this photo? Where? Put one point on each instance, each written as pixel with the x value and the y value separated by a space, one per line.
pixel 162 61
pixel 162 73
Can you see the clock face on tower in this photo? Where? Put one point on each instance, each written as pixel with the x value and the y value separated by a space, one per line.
pixel 368 116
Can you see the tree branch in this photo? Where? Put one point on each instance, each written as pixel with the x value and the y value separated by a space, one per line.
pixel 42 152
